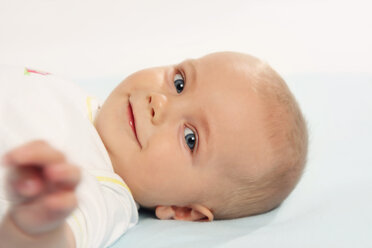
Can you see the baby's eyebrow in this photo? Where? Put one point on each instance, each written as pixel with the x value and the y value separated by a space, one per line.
pixel 203 135
pixel 205 125
pixel 202 117
pixel 190 71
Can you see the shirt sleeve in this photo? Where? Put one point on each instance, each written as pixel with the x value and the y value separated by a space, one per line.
pixel 106 210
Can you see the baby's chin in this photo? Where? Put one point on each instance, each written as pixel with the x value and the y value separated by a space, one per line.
pixel 144 201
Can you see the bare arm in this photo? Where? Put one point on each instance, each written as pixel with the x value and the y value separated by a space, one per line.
pixel 12 236
pixel 41 184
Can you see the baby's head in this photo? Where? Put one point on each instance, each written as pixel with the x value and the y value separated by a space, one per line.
pixel 217 137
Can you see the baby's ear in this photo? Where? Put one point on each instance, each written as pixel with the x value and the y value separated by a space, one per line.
pixel 194 212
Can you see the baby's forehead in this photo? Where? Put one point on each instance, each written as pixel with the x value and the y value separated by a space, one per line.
pixel 226 98
pixel 237 133
pixel 230 57
pixel 237 62
pixel 239 155
pixel 224 69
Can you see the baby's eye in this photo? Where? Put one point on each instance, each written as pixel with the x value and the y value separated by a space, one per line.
pixel 190 138
pixel 179 82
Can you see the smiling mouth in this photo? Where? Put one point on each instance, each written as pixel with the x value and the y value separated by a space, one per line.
pixel 132 122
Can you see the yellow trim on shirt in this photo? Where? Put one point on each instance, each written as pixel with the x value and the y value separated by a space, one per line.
pixel 113 180
pixel 89 105
pixel 26 72
pixel 78 223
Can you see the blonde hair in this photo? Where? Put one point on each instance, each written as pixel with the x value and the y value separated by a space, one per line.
pixel 287 136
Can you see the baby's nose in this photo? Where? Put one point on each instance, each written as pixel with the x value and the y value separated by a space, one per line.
pixel 157 105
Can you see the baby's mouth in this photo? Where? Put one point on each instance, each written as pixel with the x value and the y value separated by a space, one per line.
pixel 132 122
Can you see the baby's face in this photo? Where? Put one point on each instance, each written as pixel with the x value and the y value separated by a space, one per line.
pixel 195 125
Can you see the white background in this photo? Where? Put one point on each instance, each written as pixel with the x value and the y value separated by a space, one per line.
pixel 79 39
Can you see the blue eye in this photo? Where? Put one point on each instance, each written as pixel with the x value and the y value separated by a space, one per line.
pixel 190 138
pixel 179 82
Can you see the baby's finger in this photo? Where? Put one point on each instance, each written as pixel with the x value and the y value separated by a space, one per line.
pixel 61 203
pixel 63 174
pixel 25 183
pixel 45 213
pixel 35 152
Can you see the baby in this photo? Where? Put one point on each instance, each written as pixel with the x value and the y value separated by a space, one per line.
pixel 218 137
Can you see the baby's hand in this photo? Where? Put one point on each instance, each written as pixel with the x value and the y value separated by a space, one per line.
pixel 42 186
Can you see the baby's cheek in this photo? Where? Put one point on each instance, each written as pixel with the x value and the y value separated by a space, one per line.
pixel 145 79
pixel 159 156
pixel 162 160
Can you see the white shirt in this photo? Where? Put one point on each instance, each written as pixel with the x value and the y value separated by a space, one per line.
pixel 37 105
